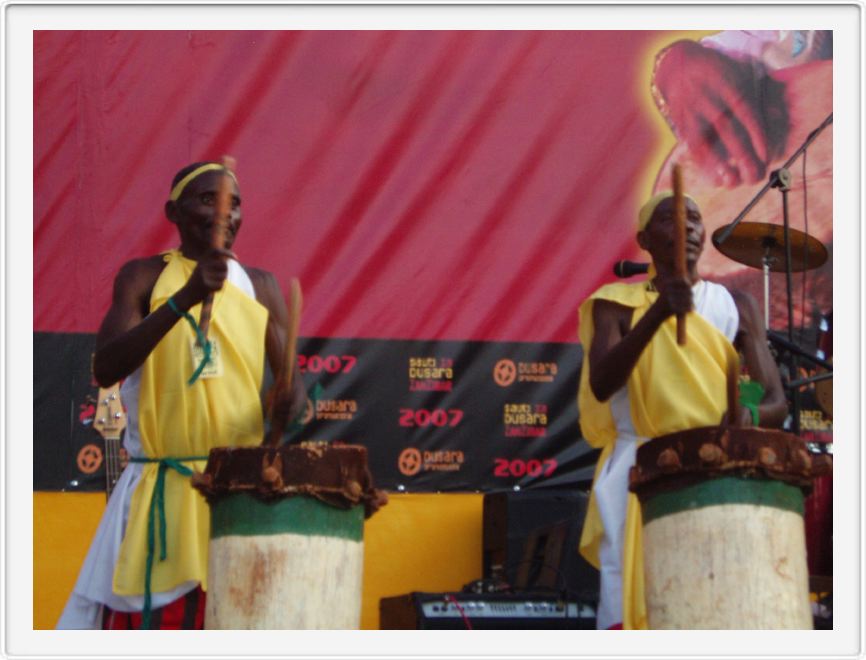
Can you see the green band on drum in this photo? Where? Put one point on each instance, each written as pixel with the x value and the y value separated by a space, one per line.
pixel 244 515
pixel 725 490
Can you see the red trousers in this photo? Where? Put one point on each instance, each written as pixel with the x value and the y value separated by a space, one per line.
pixel 185 613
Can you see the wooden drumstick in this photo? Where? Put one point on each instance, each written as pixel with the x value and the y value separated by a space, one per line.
pixel 286 376
pixel 222 208
pixel 679 241
pixel 296 302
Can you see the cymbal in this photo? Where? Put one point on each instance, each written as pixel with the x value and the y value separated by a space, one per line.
pixel 751 242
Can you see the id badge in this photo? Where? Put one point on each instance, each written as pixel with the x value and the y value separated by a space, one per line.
pixel 214 367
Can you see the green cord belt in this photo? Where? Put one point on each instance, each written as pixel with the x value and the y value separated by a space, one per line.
pixel 157 505
pixel 157 500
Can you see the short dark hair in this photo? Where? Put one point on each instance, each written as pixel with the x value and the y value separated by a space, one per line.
pixel 189 168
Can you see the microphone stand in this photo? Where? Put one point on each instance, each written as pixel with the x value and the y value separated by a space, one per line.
pixel 784 344
pixel 791 347
pixel 781 179
pixel 763 191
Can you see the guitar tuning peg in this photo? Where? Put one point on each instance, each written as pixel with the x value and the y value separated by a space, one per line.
pixel 102 420
pixel 118 415
pixel 113 396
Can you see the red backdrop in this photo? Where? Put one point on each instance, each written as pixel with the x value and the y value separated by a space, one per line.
pixel 442 185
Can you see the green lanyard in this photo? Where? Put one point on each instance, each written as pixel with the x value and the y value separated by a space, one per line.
pixel 202 340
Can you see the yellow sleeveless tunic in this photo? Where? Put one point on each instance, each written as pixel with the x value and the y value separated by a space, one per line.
pixel 176 419
pixel 671 388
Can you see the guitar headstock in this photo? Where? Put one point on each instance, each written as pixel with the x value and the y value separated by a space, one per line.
pixel 110 418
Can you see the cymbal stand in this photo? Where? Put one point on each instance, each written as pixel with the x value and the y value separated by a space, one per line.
pixel 781 179
pixel 763 191
pixel 765 267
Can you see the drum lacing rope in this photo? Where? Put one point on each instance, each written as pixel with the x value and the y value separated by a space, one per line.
pixel 157 504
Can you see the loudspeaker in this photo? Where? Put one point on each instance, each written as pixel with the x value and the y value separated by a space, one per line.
pixel 519 529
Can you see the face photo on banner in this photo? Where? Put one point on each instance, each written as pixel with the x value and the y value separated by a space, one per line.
pixel 448 183
pixel 772 104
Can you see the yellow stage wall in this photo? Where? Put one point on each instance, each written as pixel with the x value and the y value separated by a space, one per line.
pixel 418 542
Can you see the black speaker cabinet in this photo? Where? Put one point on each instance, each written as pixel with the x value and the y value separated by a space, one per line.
pixel 520 530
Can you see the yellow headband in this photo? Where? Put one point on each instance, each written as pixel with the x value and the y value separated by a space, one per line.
pixel 180 185
pixel 647 210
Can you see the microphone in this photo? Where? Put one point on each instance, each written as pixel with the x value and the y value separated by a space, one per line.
pixel 629 268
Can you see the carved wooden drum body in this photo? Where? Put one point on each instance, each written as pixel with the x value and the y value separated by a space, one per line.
pixel 723 536
pixel 286 548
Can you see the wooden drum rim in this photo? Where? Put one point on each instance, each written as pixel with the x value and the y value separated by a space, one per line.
pixel 680 460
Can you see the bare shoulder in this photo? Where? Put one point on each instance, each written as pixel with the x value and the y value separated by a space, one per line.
pixel 268 291
pixel 748 309
pixel 130 300
pixel 259 275
pixel 741 297
pixel 137 276
pixel 263 280
pixel 745 301
pixel 609 313
pixel 603 306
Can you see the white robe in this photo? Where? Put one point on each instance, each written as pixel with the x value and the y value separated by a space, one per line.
pixel 93 589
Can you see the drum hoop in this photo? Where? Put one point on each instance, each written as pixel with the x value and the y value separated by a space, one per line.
pixel 724 491
pixel 242 514
pixel 684 458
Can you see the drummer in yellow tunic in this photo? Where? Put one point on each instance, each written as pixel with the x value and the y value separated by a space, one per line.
pixel 637 383
pixel 149 335
pixel 179 420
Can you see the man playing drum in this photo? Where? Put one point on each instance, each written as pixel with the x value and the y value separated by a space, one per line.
pixel 147 565
pixel 637 383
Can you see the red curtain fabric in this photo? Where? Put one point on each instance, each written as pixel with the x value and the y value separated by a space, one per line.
pixel 439 185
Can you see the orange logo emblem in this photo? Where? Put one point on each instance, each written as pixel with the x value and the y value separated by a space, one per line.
pixel 409 461
pixel 504 372
pixel 89 459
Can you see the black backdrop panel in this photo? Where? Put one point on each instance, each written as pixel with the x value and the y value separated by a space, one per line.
pixel 67 452
pixel 435 416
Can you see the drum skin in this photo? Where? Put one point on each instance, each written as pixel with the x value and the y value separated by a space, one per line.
pixel 723 536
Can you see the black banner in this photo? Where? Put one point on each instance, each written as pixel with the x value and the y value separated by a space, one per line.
pixel 67 453
pixel 434 415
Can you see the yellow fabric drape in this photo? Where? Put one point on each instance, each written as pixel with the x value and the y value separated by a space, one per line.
pixel 672 388
pixel 176 419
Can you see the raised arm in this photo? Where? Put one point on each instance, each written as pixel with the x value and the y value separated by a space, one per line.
pixel 751 341
pixel 128 332
pixel 616 348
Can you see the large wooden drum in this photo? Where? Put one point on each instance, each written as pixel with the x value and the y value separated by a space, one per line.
pixel 286 548
pixel 723 536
